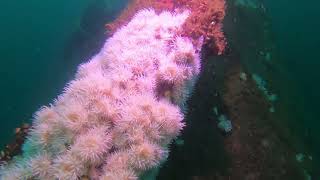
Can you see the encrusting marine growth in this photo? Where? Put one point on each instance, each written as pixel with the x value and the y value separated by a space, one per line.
pixel 125 105
pixel 205 19
pixel 115 120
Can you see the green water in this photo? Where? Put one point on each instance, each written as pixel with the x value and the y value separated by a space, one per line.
pixel 42 42
pixel 297 26
pixel 33 34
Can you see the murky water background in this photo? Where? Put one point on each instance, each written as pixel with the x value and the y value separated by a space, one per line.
pixel 42 43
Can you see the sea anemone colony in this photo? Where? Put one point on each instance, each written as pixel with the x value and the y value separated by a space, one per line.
pixel 205 19
pixel 115 120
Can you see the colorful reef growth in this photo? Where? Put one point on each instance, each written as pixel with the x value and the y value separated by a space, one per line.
pixel 205 19
pixel 115 120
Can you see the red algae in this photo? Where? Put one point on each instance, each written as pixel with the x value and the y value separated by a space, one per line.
pixel 206 21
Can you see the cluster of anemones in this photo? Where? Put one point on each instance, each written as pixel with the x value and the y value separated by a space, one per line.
pixel 116 119
pixel 205 19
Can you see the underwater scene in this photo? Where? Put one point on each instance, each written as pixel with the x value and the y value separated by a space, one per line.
pixel 159 90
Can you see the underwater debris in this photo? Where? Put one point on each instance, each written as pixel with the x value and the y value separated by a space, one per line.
pixel 243 76
pixel 224 124
pixel 215 110
pixel 261 83
pixel 300 157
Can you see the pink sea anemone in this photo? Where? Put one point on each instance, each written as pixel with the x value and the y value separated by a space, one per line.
pixel 146 155
pixel 92 145
pixel 46 114
pixel 74 115
pixel 170 72
pixel 117 160
pixel 104 111
pixel 170 119
pixel 119 174
pixel 42 166
pixel 44 133
pixel 65 167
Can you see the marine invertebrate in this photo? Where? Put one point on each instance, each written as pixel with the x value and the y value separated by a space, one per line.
pixel 145 155
pixel 41 166
pixel 116 118
pixel 205 19
pixel 67 166
pixel 92 145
